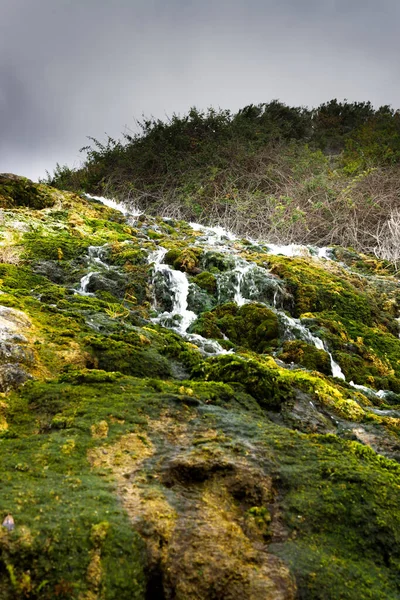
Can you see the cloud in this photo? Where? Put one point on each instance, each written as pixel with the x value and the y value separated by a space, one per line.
pixel 69 69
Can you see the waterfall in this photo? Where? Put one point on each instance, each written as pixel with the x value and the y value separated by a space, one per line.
pixel 213 236
pixel 178 285
pixel 292 250
pixel 127 211
pixel 305 334
pixel 240 271
pixel 94 257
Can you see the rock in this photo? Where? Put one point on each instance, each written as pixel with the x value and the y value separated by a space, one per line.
pixel 13 348
pixel 9 523
pixel 14 353
pixel 111 282
pixel 16 191
pixel 6 177
pixel 12 376
pixel 199 300
pixel 50 269
pixel 11 320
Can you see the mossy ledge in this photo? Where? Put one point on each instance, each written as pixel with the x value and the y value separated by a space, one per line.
pixel 137 463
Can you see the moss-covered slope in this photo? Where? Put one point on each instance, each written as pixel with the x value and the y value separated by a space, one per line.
pixel 169 423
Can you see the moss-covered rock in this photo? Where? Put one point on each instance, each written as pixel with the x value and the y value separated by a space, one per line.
pixel 186 260
pixel 301 353
pixel 316 289
pixel 207 282
pixel 18 191
pixel 116 355
pixel 252 326
pixel 258 379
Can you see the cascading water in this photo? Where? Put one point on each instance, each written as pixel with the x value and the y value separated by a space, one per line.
pixel 243 268
pixel 84 284
pixel 178 285
pixel 179 318
pixel 235 283
pixel 213 236
pixel 298 330
pixel 291 250
pixel 127 211
pixel 238 285
pixel 240 271
pixel 94 258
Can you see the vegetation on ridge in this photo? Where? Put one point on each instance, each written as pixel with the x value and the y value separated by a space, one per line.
pixel 287 174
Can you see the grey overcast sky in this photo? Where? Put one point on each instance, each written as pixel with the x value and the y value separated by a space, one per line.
pixel 76 68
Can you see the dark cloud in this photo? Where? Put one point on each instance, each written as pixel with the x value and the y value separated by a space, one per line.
pixel 69 68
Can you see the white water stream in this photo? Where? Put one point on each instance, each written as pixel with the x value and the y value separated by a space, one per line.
pixel 96 253
pixel 216 236
pixel 297 330
pixel 120 206
pixel 94 258
pixel 178 285
pixel 180 318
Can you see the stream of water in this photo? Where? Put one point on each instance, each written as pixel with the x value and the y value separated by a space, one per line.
pixel 240 282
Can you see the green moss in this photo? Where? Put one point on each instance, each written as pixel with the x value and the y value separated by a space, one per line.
pixel 186 259
pixel 251 326
pixel 63 246
pixel 20 278
pixel 315 289
pixel 116 355
pixel 260 381
pixel 301 353
pixel 126 254
pixel 206 281
pixel 89 376
pixel 207 326
pixel 216 262
pixel 367 355
pixel 21 192
pixel 172 345
pixel 64 511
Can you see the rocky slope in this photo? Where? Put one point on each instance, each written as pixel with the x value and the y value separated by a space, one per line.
pixel 185 414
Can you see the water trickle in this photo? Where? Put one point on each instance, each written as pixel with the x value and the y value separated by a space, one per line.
pixel 178 285
pixel 213 236
pixel 208 347
pixel 369 392
pixel 84 284
pixel 95 258
pixel 96 254
pixel 120 206
pixel 179 318
pixel 291 250
pixel 385 412
pixel 297 330
pixel 240 271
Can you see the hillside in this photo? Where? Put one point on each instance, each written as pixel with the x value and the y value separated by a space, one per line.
pixel 189 414
pixel 319 176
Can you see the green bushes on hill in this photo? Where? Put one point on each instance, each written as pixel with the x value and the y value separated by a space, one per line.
pixel 290 174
